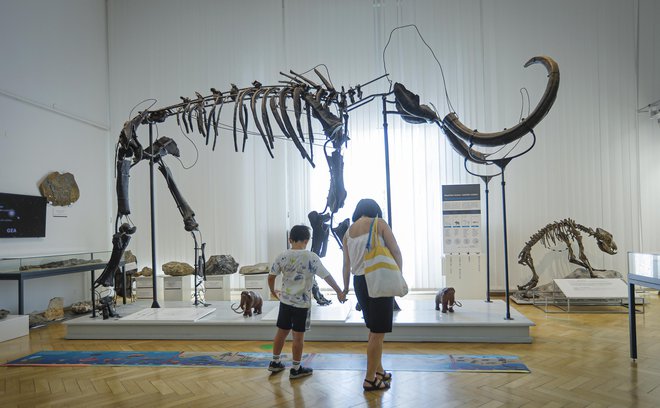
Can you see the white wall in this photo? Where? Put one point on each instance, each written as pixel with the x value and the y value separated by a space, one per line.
pixel 54 117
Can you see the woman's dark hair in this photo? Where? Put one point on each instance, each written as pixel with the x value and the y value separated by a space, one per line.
pixel 367 207
pixel 299 233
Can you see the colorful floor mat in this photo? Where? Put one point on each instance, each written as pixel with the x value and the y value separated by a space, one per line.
pixel 394 362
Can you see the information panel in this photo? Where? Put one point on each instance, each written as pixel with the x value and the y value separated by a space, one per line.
pixel 594 288
pixel 461 213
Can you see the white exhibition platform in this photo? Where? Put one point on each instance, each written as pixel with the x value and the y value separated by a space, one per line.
pixel 417 321
pixel 14 326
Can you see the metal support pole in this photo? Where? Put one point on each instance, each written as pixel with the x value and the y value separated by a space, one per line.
pixel 506 253
pixel 154 304
pixel 486 180
pixel 387 163
pixel 632 321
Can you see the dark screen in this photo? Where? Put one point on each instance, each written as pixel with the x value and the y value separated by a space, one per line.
pixel 22 216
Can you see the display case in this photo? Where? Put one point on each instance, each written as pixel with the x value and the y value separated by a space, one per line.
pixel 21 269
pixel 53 262
pixel 643 270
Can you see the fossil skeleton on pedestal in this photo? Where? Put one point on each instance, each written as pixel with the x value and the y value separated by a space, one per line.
pixel 565 233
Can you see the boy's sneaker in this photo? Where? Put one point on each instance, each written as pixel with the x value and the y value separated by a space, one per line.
pixel 300 372
pixel 275 367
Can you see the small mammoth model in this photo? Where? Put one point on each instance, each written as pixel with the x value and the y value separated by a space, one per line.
pixel 249 301
pixel 446 297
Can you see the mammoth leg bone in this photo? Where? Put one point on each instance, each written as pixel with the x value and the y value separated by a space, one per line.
pixel 123 169
pixel 320 232
pixel 337 192
pixel 186 212
pixel 120 241
pixel 162 147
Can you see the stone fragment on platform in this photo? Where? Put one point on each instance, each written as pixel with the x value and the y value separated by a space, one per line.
pixel 81 307
pixel 130 261
pixel 60 189
pixel 55 309
pixel 255 269
pixel 221 265
pixel 3 313
pixel 37 319
pixel 175 268
pixel 146 271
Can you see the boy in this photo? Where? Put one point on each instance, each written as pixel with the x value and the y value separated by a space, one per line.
pixel 298 267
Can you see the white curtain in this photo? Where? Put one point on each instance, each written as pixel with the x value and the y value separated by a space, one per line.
pixel 584 164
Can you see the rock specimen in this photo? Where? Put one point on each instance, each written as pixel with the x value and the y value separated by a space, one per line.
pixel 60 189
pixel 55 309
pixel 221 265
pixel 146 271
pixel 255 269
pixel 175 268
pixel 81 307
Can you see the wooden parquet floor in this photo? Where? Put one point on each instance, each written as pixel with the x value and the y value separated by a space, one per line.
pixel 577 360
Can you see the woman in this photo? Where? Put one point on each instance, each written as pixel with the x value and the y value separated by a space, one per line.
pixel 377 312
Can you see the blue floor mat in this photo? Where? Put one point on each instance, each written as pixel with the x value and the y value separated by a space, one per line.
pixel 318 361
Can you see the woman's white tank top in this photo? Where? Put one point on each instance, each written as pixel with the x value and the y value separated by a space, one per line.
pixel 356 250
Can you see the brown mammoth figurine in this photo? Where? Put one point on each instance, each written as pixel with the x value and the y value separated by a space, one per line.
pixel 249 300
pixel 446 297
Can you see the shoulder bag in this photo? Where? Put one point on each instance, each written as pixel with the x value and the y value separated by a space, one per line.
pixel 383 276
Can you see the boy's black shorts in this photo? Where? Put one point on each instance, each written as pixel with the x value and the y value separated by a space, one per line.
pixel 291 317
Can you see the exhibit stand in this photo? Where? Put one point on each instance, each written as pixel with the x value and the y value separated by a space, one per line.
pixel 592 295
pixel 218 287
pixel 146 288
pixel 14 326
pixel 417 321
pixel 465 272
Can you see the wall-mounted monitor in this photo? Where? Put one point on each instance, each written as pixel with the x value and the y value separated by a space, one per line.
pixel 22 216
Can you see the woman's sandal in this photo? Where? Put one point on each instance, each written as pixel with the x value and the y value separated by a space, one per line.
pixel 376 385
pixel 385 376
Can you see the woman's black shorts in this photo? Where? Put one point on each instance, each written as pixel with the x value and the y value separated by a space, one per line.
pixel 378 312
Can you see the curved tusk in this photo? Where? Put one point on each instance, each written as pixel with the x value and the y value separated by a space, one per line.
pixel 452 122
pixel 462 148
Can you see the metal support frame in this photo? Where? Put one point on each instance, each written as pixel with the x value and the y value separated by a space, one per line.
pixel 154 304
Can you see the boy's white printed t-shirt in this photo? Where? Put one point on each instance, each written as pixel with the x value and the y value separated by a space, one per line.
pixel 298 267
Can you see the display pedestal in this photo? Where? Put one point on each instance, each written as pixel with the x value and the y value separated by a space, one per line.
pixel 259 283
pixel 593 295
pixel 218 287
pixel 417 321
pixel 145 287
pixel 179 287
pixel 465 273
pixel 14 326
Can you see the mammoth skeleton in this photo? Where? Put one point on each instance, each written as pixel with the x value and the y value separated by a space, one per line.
pixel 270 107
